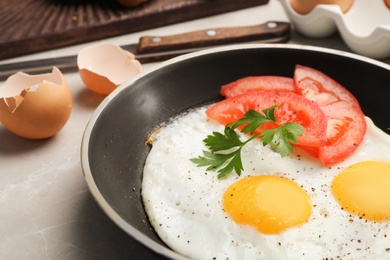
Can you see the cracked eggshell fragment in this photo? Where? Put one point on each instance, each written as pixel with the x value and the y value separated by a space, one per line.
pixel 105 66
pixel 35 106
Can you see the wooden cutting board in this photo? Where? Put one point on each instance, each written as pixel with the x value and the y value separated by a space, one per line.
pixel 28 26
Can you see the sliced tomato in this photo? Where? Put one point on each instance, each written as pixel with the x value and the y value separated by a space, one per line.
pixel 320 88
pixel 346 123
pixel 265 83
pixel 291 108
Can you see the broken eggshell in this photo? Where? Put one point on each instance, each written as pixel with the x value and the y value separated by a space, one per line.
pixel 105 66
pixel 35 106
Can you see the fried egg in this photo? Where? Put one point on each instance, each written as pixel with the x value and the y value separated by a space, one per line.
pixel 279 208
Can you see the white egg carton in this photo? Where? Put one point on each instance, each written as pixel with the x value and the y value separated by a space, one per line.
pixel 365 27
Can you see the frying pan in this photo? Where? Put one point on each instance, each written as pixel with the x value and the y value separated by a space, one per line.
pixel 113 148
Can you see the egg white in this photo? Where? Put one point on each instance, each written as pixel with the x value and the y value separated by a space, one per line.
pixel 184 206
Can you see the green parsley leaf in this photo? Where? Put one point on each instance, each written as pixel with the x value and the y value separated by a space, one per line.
pixel 254 119
pixel 216 160
pixel 217 141
pixel 225 149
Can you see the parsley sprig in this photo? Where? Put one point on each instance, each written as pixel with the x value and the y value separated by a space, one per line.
pixel 225 149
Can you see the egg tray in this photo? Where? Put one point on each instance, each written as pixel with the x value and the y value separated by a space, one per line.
pixel 365 27
pixel 29 26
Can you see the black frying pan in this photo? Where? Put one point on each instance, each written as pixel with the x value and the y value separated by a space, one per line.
pixel 114 150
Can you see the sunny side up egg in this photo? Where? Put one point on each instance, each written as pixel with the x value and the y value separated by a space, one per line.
pixel 296 207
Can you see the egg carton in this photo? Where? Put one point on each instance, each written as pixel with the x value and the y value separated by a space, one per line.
pixel 365 27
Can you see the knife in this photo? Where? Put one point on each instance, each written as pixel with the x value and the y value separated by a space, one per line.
pixel 159 48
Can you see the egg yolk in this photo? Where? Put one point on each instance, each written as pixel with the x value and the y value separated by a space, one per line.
pixel 363 189
pixel 269 203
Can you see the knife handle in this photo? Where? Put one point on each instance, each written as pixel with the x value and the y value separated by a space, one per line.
pixel 270 30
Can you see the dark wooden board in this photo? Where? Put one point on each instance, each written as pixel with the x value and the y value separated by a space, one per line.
pixel 28 26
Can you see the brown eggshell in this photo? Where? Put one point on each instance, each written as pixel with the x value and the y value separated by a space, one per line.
pixel 35 106
pixel 97 83
pixel 306 6
pixel 387 2
pixel 105 66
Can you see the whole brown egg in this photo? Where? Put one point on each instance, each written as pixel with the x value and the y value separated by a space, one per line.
pixel 305 6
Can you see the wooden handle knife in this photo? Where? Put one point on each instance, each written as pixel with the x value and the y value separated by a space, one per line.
pixel 158 48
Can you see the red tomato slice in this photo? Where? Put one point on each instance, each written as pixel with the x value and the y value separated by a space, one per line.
pixel 265 83
pixel 346 122
pixel 319 87
pixel 291 108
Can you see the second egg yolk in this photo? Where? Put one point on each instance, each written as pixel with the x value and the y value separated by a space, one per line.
pixel 269 203
pixel 363 189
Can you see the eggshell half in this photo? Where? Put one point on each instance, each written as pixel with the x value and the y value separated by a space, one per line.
pixel 105 66
pixel 35 106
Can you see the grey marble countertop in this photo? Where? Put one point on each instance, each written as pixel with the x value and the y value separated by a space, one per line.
pixel 46 209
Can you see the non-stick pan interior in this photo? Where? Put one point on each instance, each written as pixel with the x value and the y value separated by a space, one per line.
pixel 115 148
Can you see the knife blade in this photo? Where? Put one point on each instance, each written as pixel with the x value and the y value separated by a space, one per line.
pixel 159 48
